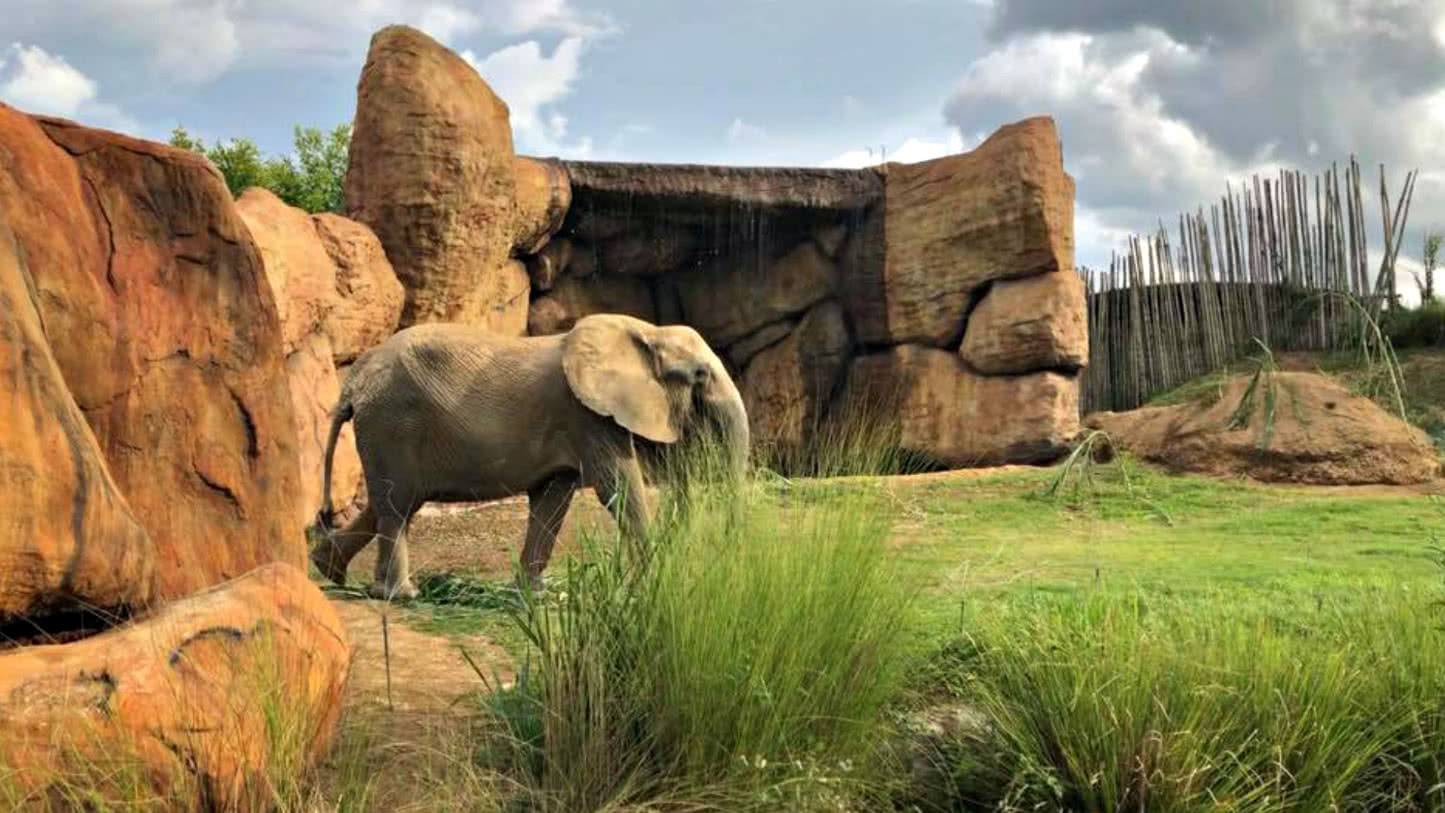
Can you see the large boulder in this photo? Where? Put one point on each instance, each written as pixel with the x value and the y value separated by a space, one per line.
pixel 315 389
pixel 301 273
pixel 506 313
pixel 152 297
pixel 368 296
pixel 937 408
pixel 1034 323
pixel 786 386
pixel 741 351
pixel 731 298
pixel 206 698
pixel 65 528
pixel 543 194
pixel 950 225
pixel 431 172
pixel 300 270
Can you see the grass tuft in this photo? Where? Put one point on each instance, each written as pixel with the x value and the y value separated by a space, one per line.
pixel 739 655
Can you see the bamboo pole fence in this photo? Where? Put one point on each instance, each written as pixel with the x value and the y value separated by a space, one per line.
pixel 1173 307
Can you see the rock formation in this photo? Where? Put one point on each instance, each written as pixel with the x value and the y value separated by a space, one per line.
pixel 67 529
pixel 943 411
pixel 433 174
pixel 1001 211
pixel 790 273
pixel 1028 324
pixel 148 452
pixel 177 694
pixel 367 300
pixel 152 299
pixel 297 255
pixel 969 254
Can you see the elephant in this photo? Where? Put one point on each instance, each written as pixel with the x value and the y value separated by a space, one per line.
pixel 447 412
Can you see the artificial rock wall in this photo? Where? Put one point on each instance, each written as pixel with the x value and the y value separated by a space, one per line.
pixel 939 297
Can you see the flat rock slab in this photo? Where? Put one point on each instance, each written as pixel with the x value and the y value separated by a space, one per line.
pixel 181 697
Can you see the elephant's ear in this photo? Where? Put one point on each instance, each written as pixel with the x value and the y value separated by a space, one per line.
pixel 609 366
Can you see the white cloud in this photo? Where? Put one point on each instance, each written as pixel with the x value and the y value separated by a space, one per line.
pixel 217 35
pixel 45 83
pixel 853 107
pixel 531 83
pixel 740 131
pixel 911 151
pixel 1132 161
pixel 206 49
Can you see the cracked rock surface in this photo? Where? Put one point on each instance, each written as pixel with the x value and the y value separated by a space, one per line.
pixel 185 691
pixel 150 297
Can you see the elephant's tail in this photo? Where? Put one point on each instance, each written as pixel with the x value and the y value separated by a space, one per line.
pixel 339 416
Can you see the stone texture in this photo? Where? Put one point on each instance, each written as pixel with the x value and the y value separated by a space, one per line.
pixel 543 195
pixel 506 312
pixel 786 386
pixel 830 238
pixel 301 273
pixel 152 296
pixel 657 251
pixel 180 694
pixel 574 298
pixel 938 408
pixel 546 265
pixel 368 298
pixel 1003 210
pixel 431 172
pixel 315 389
pixel 730 299
pixel 65 528
pixel 1029 324
pixel 740 351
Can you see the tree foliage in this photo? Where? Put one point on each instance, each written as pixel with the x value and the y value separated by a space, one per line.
pixel 311 179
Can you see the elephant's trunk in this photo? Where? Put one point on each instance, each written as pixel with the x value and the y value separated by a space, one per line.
pixel 733 419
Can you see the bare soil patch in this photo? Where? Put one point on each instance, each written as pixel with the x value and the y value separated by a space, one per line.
pixel 1321 434
pixel 428 672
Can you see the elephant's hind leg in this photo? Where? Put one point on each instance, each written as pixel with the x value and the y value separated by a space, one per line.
pixel 393 563
pixel 547 504
pixel 333 554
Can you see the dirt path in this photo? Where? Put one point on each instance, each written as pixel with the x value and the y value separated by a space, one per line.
pixel 428 671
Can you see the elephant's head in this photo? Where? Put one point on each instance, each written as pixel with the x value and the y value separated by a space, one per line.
pixel 658 382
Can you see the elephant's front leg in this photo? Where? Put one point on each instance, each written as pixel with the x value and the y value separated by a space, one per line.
pixel 547 504
pixel 620 487
pixel 392 575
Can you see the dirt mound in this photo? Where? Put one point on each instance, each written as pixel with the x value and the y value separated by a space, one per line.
pixel 1321 433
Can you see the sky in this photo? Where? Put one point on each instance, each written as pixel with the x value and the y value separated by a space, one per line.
pixel 1158 104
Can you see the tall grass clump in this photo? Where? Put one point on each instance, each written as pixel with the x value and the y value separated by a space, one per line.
pixel 858 435
pixel 738 656
pixel 1383 379
pixel 1121 701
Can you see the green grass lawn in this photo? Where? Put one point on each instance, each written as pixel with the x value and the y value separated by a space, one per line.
pixel 1252 628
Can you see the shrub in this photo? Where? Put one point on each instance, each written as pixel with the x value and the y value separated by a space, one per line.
pixel 313 181
pixel 1422 326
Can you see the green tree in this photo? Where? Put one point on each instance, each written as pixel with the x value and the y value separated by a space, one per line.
pixel 311 180
pixel 1430 257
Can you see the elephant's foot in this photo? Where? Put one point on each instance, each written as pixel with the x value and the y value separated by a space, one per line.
pixel 325 559
pixel 529 582
pixel 406 591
